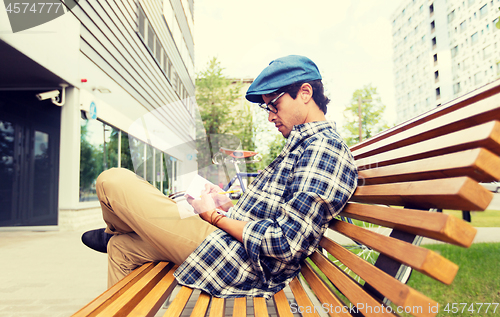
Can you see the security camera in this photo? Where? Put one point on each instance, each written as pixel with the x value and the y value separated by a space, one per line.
pixel 48 95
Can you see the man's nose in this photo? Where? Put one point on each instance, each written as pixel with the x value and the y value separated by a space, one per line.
pixel 271 116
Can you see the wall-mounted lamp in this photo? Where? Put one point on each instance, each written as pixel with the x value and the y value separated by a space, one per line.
pixel 102 90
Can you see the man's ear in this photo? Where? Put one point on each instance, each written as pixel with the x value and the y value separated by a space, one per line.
pixel 306 92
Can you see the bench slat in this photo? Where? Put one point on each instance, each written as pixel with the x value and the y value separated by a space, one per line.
pixel 423 260
pixel 398 293
pixel 106 298
pixel 218 307
pixel 435 225
pixel 240 307
pixel 350 288
pixel 282 305
pixel 459 193
pixel 201 306
pixel 180 301
pixel 431 126
pixel 156 297
pixel 301 298
pixel 485 136
pixel 132 296
pixel 478 164
pixel 260 307
pixel 323 292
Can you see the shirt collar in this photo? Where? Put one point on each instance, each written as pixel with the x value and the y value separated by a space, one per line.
pixel 302 131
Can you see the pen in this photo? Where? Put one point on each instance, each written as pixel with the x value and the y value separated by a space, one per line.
pixel 229 192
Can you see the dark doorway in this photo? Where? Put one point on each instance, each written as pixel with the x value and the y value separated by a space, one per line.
pixel 29 159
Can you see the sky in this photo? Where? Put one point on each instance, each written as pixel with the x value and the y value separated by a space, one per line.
pixel 349 40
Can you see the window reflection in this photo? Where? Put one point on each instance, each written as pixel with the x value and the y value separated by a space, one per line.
pixel 6 168
pixel 100 150
pixel 42 172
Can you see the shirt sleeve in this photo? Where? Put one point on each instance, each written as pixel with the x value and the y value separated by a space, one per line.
pixel 324 178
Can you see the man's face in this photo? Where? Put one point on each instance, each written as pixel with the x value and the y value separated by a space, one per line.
pixel 290 112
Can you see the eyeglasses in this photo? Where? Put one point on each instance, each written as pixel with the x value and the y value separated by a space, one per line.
pixel 271 106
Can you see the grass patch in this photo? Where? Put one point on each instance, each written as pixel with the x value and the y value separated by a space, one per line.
pixel 477 280
pixel 488 218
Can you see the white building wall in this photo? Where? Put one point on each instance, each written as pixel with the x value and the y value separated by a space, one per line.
pixel 101 43
pixel 417 59
pixel 476 40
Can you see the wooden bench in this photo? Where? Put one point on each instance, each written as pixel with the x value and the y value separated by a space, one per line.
pixel 433 161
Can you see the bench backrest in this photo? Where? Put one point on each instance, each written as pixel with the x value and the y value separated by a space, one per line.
pixel 433 161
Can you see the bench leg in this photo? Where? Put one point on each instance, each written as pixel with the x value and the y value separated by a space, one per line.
pixel 392 267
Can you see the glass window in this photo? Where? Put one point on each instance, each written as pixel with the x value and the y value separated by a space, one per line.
pixel 484 10
pixel 7 168
pixel 98 152
pixel 463 25
pixel 151 38
pixel 158 50
pixel 474 38
pixel 137 155
pixel 478 78
pixel 159 175
pixel 166 65
pixel 142 22
pixel 125 155
pixel 487 51
pixel 150 164
pixel 451 16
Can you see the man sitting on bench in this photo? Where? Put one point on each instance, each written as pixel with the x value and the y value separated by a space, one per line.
pixel 275 225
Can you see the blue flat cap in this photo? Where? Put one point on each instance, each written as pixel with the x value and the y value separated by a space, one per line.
pixel 282 72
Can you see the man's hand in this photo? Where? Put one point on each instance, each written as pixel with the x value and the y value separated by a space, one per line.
pixel 205 206
pixel 206 203
pixel 221 200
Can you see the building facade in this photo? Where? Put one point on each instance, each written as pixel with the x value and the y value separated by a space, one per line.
pixel 442 49
pixel 128 72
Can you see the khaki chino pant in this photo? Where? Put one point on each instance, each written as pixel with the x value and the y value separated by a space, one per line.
pixel 146 224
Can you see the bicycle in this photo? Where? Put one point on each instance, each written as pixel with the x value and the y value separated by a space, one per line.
pixel 236 157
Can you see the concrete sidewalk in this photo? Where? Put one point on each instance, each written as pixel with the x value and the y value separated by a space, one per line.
pixel 48 274
pixel 53 274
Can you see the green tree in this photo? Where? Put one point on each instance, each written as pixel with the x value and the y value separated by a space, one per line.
pixel 275 148
pixel 498 22
pixel 217 98
pixel 371 115
pixel 89 161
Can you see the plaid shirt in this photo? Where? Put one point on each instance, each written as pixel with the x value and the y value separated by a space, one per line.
pixel 288 207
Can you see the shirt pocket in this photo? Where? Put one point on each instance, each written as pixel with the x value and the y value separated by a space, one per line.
pixel 278 181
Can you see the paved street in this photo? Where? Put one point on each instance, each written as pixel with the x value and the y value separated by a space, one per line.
pixel 53 274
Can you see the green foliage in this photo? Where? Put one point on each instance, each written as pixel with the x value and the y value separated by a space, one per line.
pixel 275 148
pixel 498 22
pixel 371 115
pixel 217 98
pixel 89 158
